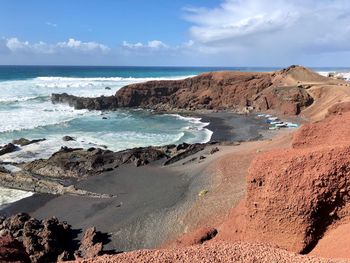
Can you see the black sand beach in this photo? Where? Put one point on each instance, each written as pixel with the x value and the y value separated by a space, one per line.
pixel 149 200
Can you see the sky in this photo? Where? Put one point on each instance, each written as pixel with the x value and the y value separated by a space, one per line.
pixel 268 33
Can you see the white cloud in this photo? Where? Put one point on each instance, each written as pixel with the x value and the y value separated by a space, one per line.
pixel 51 24
pixel 83 46
pixel 156 44
pixel 71 45
pixel 152 45
pixel 260 25
pixel 131 45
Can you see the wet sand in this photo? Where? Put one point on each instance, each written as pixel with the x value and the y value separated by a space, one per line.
pixel 150 201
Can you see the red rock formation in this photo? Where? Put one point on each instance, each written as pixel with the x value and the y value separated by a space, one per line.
pixel 294 195
pixel 223 90
pixel 284 91
pixel 89 247
pixel 12 250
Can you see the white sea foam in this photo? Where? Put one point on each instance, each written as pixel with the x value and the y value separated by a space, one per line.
pixel 33 115
pixel 11 195
pixel 30 104
pixel 340 75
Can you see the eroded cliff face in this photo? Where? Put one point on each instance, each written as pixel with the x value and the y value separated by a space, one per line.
pixel 294 195
pixel 282 91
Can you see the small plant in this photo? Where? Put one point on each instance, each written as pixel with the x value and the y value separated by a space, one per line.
pixel 203 193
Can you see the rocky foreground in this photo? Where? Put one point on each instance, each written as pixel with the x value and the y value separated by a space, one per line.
pixel 26 239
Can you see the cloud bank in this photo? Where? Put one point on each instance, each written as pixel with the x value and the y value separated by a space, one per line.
pixel 71 45
pixel 281 25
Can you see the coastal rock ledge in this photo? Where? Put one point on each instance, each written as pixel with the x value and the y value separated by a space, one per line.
pixel 284 91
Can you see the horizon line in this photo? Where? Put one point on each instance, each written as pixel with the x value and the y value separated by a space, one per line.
pixel 138 66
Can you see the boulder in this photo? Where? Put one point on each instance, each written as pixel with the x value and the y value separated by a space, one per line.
pixel 11 250
pixel 41 240
pixel 90 246
pixel 24 141
pixel 68 138
pixel 8 148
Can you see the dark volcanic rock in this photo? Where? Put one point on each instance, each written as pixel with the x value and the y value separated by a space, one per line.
pixel 80 163
pixel 27 239
pixel 68 138
pixel 24 141
pixel 11 250
pixel 100 103
pixel 8 148
pixel 189 150
pixel 42 240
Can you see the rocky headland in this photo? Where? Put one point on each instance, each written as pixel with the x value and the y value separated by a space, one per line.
pixel 264 201
pixel 284 91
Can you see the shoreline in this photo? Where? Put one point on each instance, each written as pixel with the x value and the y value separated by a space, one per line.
pixel 129 210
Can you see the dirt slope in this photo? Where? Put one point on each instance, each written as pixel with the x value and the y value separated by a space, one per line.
pixel 295 195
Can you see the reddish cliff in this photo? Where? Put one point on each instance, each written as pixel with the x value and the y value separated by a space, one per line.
pixel 223 90
pixel 295 195
pixel 284 91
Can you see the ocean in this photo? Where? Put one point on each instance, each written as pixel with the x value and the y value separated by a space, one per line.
pixel 26 111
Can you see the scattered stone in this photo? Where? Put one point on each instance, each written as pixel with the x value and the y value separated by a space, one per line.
pixel 107 88
pixel 214 150
pixel 189 161
pixel 8 148
pixel 68 138
pixel 202 157
pixel 190 149
pixel 182 146
pixel 104 118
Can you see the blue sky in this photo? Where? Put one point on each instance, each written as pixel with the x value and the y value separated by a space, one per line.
pixel 178 32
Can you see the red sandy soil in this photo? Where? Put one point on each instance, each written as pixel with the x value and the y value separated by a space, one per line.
pixel 335 243
pixel 217 252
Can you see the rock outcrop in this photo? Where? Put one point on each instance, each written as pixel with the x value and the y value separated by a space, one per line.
pixel 25 142
pixel 280 91
pixel 57 174
pixel 79 163
pixel 294 195
pixel 8 148
pixel 90 246
pixel 26 239
pixel 11 250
